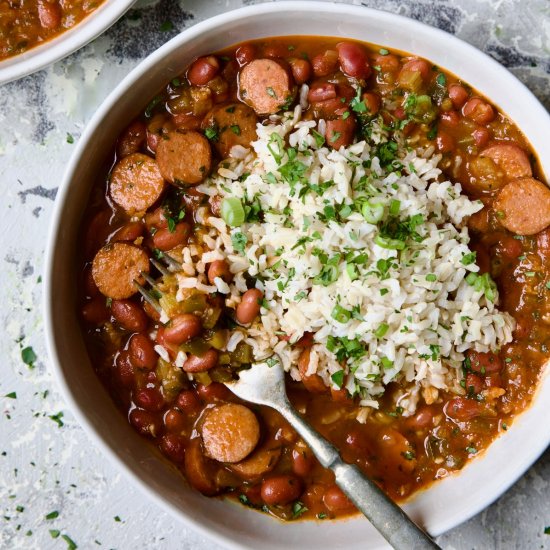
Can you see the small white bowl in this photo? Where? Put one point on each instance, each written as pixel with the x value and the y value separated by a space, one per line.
pixel 64 44
pixel 448 502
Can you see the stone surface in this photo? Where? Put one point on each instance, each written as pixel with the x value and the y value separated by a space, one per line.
pixel 47 463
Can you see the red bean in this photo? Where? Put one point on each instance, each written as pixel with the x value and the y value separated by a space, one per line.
pixel 484 362
pixel 142 352
pixel 400 113
pixel 132 139
pixel 340 132
pixel 478 110
pixel 215 391
pixel 345 91
pixel 150 399
pixel 174 420
pixel 188 402
pixel 421 419
pixel 128 232
pixel 245 54
pixel 302 461
pixel 182 328
pixel 358 441
pixel 325 63
pixel 156 219
pixel 164 239
pixel 195 363
pixel 509 247
pixel 185 121
pixel 145 423
pixel 481 136
pixel 321 91
pixel 458 95
pixel 219 268
pixel 462 409
pixel 173 446
pixel 444 141
pixel 249 307
pixel 301 70
pixel 129 315
pixel 275 51
pixel 95 311
pixel 353 60
pixel 90 288
pixel 125 369
pixel 473 383
pixel 372 102
pixel 203 70
pixel 336 501
pixel 450 119
pixel 281 490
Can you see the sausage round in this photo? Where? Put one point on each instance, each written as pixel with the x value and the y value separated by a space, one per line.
pixel 115 268
pixel 265 85
pixel 512 159
pixel 230 432
pixel 197 469
pixel 260 462
pixel 235 124
pixel 523 206
pixel 184 157
pixel 136 183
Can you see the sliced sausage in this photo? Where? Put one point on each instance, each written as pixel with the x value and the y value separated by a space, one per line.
pixel 265 85
pixel 260 462
pixel 115 268
pixel 230 432
pixel 136 183
pixel 184 157
pixel 235 124
pixel 524 205
pixel 198 471
pixel 513 160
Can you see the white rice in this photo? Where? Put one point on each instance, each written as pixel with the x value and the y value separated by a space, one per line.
pixel 410 316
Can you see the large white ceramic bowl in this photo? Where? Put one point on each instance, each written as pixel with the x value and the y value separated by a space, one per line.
pixel 64 44
pixel 440 508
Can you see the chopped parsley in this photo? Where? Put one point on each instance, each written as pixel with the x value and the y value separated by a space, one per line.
pixel 28 356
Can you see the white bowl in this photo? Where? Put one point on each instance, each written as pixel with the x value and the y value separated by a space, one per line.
pixel 440 508
pixel 64 44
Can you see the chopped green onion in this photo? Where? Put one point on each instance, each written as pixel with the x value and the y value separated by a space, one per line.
pixel 340 314
pixel 372 212
pixel 395 206
pixel 386 363
pixel 381 330
pixel 338 378
pixel 431 277
pixel 232 211
pixel 390 244
pixel 468 259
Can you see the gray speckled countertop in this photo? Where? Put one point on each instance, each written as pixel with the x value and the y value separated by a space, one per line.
pixel 47 464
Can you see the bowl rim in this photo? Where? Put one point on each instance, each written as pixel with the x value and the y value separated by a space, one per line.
pixel 527 458
pixel 69 41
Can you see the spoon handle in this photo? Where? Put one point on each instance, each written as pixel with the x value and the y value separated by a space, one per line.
pixel 390 520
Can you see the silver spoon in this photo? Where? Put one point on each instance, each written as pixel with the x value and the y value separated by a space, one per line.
pixel 264 384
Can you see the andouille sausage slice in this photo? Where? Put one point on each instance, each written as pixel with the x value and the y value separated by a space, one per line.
pixel 198 471
pixel 235 124
pixel 116 266
pixel 511 158
pixel 260 462
pixel 265 85
pixel 136 183
pixel 184 157
pixel 230 432
pixel 523 206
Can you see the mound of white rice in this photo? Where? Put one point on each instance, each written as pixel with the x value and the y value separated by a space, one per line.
pixel 365 248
